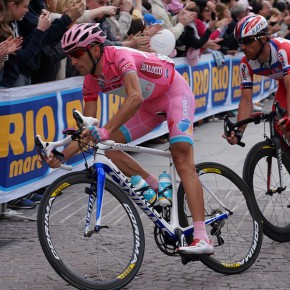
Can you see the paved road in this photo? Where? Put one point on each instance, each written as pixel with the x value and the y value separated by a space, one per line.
pixel 23 265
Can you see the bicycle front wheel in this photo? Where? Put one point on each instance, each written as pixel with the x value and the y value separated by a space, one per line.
pixel 108 259
pixel 238 238
pixel 261 173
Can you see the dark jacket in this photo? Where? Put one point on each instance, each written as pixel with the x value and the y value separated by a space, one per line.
pixel 229 42
pixel 27 59
pixel 190 39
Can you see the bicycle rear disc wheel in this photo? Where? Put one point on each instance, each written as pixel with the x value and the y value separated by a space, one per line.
pixel 262 176
pixel 238 238
pixel 108 259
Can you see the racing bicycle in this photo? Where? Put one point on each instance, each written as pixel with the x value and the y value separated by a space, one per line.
pixel 91 232
pixel 266 171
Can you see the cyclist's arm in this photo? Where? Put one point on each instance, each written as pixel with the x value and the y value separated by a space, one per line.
pixel 245 110
pixel 90 110
pixel 131 104
pixel 245 107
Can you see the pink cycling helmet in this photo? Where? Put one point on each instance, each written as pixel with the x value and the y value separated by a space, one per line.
pixel 82 35
pixel 251 25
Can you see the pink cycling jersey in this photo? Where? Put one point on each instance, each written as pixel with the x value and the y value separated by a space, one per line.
pixel 166 93
pixel 277 67
pixel 153 71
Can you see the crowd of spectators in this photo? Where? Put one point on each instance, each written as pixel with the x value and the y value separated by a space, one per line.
pixel 31 32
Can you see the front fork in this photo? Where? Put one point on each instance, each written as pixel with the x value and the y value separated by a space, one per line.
pixel 280 169
pixel 96 192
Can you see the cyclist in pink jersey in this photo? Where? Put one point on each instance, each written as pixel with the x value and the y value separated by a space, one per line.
pixel 263 56
pixel 153 92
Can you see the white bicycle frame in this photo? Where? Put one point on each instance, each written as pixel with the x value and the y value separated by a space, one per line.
pixel 103 165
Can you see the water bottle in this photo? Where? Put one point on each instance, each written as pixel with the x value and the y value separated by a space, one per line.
pixel 139 183
pixel 164 189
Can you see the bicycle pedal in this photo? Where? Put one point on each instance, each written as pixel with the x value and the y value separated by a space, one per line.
pixel 185 258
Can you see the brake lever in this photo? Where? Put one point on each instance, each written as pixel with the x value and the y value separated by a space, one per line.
pixel 72 132
pixel 78 119
pixel 43 152
pixel 230 125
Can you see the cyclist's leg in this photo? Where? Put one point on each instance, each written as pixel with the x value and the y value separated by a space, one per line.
pixel 140 124
pixel 180 113
pixel 281 97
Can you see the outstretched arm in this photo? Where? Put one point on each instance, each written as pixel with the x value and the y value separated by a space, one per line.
pixel 131 104
pixel 90 110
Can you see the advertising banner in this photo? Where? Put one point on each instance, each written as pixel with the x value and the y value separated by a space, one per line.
pixel 46 109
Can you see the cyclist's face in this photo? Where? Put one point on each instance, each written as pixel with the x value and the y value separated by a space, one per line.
pixel 253 45
pixel 82 61
pixel 250 46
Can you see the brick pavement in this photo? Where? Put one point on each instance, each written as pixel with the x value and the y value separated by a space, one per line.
pixel 24 266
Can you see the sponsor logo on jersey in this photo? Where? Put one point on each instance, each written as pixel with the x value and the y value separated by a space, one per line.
pixel 151 70
pixel 149 87
pixel 101 84
pixel 244 71
pixel 125 66
pixel 115 79
pixel 166 73
pixel 121 60
pixel 282 57
pixel 185 105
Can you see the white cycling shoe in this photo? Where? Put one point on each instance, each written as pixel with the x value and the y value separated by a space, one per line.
pixel 198 247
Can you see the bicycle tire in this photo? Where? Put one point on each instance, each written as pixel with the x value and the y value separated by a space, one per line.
pixel 274 211
pixel 109 259
pixel 238 238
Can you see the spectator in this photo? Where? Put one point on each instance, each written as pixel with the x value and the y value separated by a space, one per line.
pixel 223 12
pixel 146 7
pixel 9 46
pixel 229 44
pixel 147 24
pixel 48 61
pixel 174 7
pixel 36 31
pixel 195 38
pixel 208 19
pixel 205 13
pixel 257 6
pixel 205 17
pixel 53 60
pixel 121 22
pixel 177 23
pixel 229 3
pixel 248 7
pixel 274 22
pixel 137 41
pixel 282 19
pixel 265 12
pixel 17 69
pixel 60 7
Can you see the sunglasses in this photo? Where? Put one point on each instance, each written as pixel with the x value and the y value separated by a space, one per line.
pixel 247 40
pixel 80 52
pixel 76 53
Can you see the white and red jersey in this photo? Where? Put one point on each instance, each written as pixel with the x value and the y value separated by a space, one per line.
pixel 155 72
pixel 277 67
